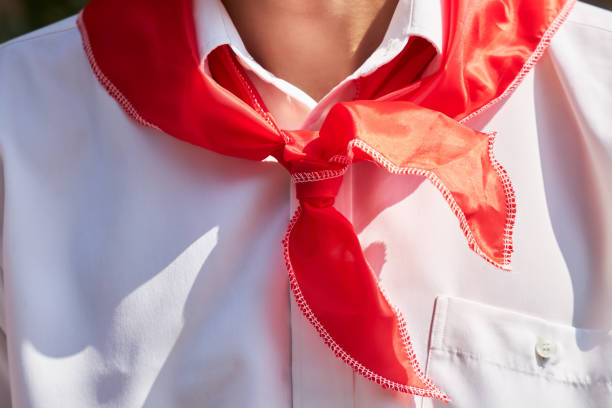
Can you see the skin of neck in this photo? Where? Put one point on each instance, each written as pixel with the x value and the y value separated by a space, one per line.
pixel 312 44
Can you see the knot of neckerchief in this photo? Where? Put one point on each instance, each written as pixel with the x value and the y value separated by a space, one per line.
pixel 146 55
pixel 330 277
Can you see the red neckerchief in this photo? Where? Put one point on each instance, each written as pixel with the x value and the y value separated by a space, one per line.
pixel 144 52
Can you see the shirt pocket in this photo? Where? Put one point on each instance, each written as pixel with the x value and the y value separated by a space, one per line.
pixel 485 356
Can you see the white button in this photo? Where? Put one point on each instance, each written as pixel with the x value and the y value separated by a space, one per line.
pixel 545 348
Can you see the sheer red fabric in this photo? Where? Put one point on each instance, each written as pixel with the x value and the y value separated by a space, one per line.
pixel 144 53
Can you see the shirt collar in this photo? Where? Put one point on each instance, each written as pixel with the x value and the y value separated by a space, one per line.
pixel 423 18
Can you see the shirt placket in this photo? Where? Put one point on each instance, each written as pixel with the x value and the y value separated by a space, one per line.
pixel 319 378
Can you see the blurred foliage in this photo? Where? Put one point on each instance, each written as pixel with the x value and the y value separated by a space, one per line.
pixel 21 16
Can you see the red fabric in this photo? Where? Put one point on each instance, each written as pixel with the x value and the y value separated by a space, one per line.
pixel 145 53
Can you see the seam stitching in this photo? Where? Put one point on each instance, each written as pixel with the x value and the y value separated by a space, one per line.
pixel 255 102
pixel 509 194
pixel 35 37
pixel 105 82
pixel 477 357
pixel 430 391
pixel 435 180
pixel 530 63
pixel 607 30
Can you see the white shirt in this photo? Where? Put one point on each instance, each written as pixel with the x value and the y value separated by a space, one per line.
pixel 139 270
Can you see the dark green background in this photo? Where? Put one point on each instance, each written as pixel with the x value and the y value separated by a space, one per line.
pixel 20 16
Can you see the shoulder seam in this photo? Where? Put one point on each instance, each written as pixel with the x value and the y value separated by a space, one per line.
pixel 18 40
pixel 597 27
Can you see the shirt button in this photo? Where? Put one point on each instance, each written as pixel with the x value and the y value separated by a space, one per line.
pixel 545 349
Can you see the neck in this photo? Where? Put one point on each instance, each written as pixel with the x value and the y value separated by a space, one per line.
pixel 312 44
